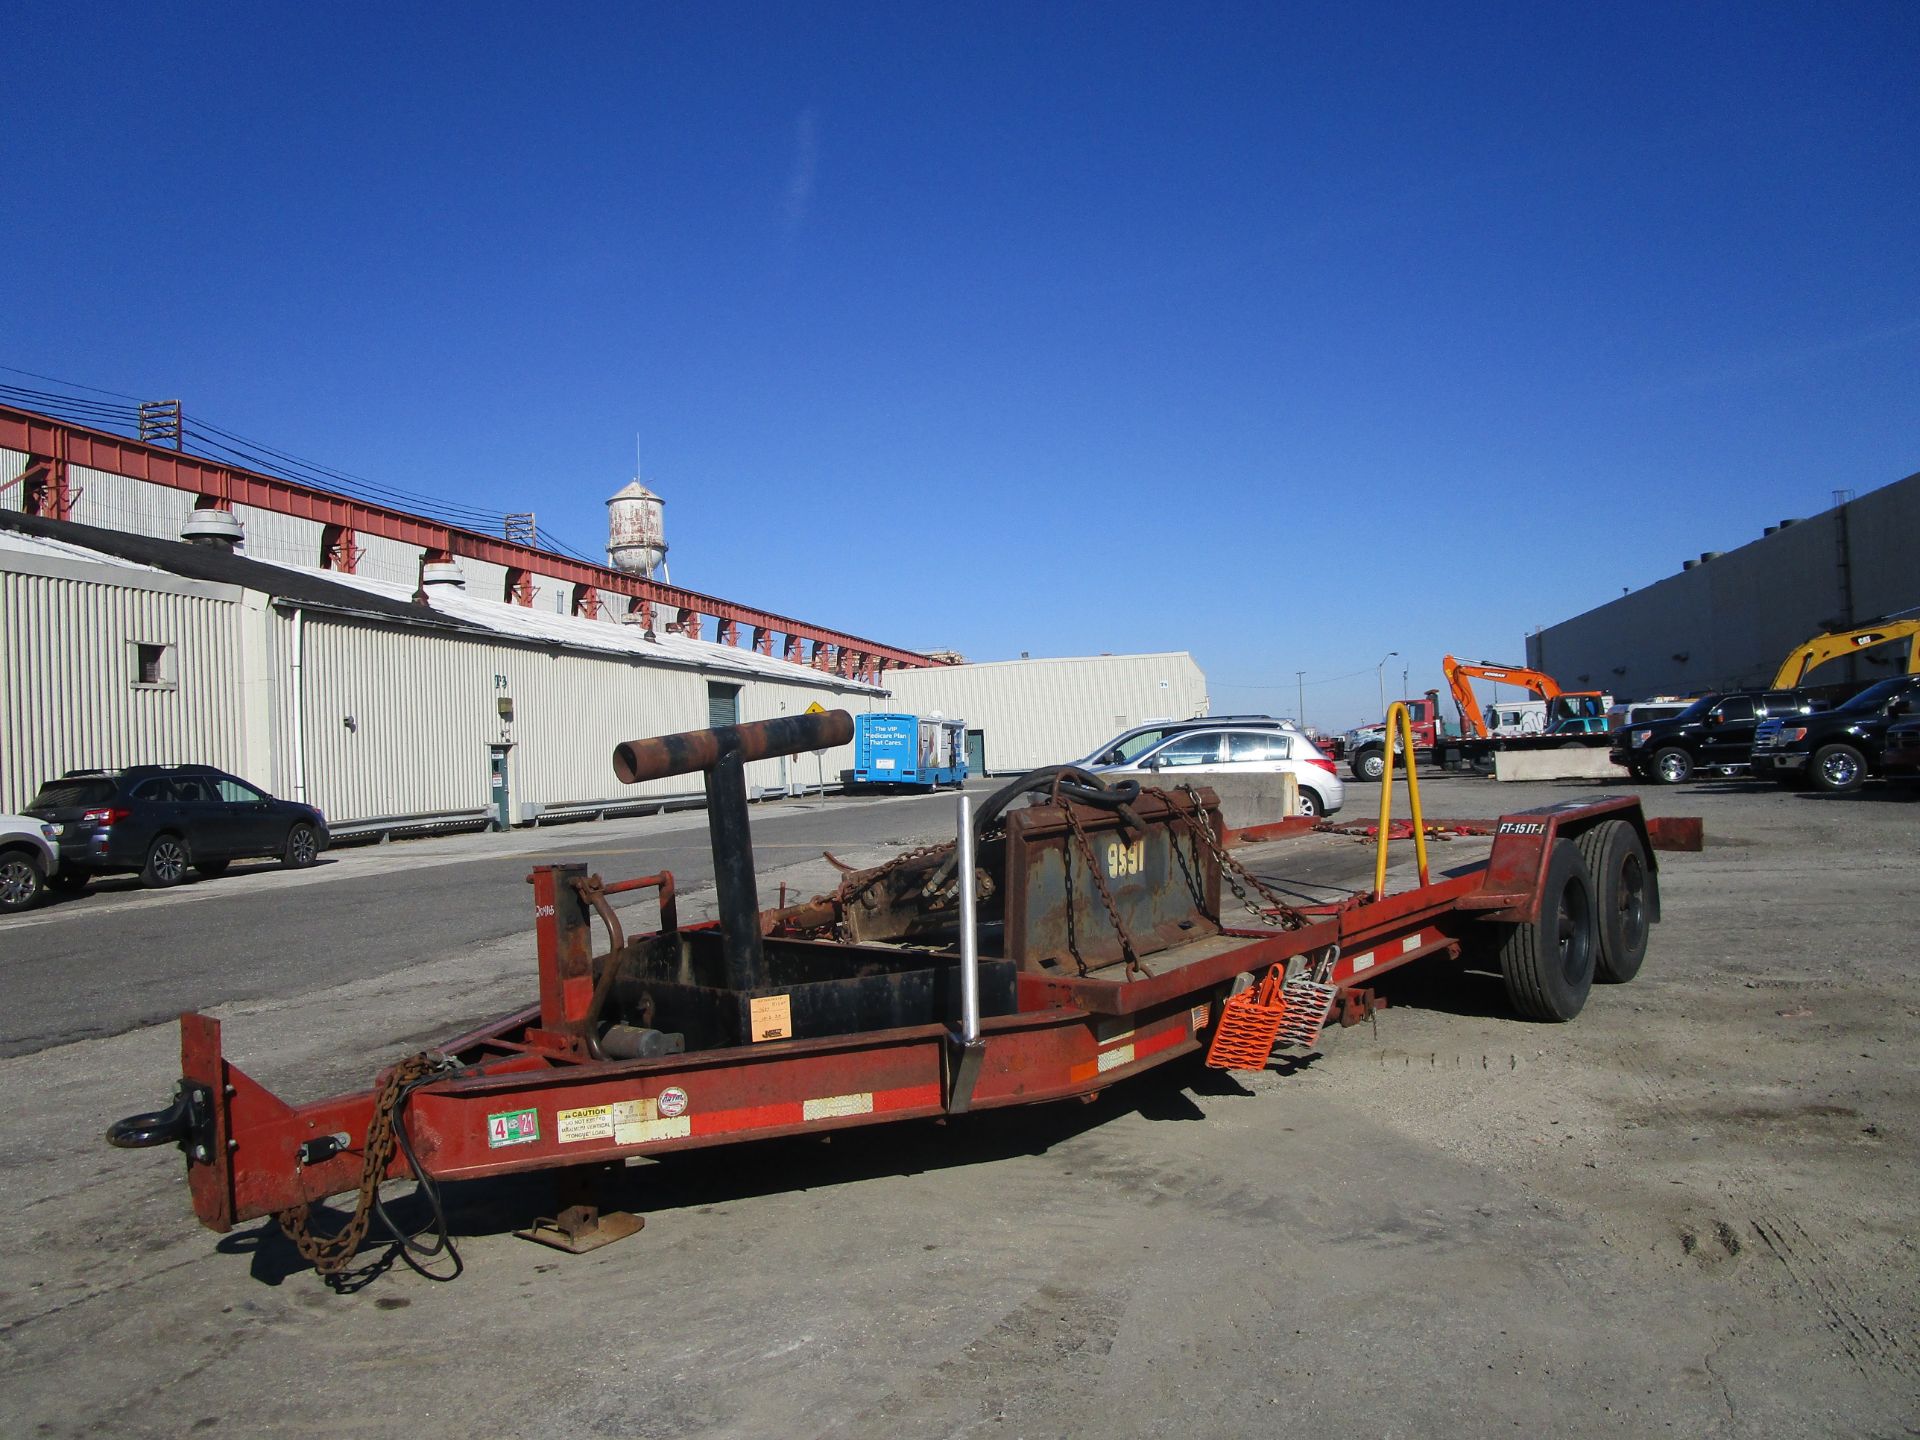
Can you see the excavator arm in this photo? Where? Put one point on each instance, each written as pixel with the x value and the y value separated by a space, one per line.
pixel 1831 646
pixel 1461 674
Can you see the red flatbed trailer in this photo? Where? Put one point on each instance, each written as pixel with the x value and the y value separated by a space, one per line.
pixel 540 1089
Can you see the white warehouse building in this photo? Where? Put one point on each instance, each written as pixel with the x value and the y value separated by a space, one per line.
pixel 392 707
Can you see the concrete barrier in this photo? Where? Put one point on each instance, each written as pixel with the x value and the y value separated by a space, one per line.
pixel 1244 799
pixel 1587 762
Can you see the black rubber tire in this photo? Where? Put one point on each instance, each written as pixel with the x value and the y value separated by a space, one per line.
pixel 1548 963
pixel 166 863
pixel 1671 765
pixel 1623 898
pixel 1310 803
pixel 1368 764
pixel 1837 769
pixel 302 848
pixel 23 880
pixel 212 869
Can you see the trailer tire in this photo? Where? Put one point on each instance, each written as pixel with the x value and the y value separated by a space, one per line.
pixel 1672 766
pixel 1369 764
pixel 1548 963
pixel 1617 861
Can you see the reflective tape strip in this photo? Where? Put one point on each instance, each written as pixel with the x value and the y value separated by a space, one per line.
pixel 828 1107
pixel 1113 1059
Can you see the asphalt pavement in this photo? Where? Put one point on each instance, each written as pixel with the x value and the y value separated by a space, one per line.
pixel 120 956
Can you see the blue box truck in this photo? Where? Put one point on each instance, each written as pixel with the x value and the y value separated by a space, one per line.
pixel 920 752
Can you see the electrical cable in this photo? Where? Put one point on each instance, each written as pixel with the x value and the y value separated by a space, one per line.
pixel 407 1243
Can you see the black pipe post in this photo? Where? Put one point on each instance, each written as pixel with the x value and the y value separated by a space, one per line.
pixel 738 897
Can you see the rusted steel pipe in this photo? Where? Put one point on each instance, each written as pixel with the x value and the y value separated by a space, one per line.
pixel 691 750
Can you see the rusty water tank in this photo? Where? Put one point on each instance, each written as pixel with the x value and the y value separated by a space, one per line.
pixel 636 531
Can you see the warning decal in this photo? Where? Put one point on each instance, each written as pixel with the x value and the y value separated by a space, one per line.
pixel 595 1122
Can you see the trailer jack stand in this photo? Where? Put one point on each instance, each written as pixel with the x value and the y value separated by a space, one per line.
pixel 582 1225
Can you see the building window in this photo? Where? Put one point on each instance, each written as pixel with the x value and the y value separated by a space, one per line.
pixel 153 666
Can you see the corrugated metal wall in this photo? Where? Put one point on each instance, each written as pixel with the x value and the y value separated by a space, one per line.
pixel 114 502
pixel 1044 712
pixel 425 710
pixel 278 539
pixel 13 464
pixel 68 671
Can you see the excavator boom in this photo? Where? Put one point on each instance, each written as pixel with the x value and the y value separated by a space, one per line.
pixel 1461 674
pixel 1837 643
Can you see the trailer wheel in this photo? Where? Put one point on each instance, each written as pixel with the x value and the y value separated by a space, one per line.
pixel 1617 861
pixel 1548 963
pixel 1369 764
pixel 1672 766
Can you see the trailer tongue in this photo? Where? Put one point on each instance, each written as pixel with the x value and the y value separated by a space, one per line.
pixel 1056 947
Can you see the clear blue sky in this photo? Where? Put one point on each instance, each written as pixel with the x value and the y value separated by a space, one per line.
pixel 1288 336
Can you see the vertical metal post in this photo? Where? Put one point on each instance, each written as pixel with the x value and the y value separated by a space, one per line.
pixel 739 900
pixel 969 929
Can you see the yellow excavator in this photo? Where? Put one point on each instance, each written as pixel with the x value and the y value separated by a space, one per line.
pixel 1838 643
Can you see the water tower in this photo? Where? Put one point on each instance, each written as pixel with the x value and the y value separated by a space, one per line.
pixel 636 533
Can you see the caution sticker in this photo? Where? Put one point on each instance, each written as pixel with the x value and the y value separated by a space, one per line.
pixel 513 1127
pixel 593 1122
pixel 770 1017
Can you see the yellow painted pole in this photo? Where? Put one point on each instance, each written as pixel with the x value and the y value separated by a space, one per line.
pixel 1399 731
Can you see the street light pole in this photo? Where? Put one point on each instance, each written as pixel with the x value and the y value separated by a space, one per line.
pixel 1380 674
pixel 1300 680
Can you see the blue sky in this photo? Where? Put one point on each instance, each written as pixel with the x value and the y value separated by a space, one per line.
pixel 1288 336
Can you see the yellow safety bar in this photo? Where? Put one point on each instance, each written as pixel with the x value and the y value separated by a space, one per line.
pixel 1399 729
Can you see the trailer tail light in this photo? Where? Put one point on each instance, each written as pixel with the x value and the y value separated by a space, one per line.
pixel 107 815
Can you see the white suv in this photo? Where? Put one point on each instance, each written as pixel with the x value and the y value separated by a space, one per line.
pixel 29 853
pixel 1242 750
pixel 1130 745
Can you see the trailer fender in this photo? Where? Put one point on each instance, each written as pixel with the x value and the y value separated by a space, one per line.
pixel 1516 871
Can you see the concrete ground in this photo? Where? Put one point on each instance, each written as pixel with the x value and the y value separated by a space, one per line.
pixel 1689 1211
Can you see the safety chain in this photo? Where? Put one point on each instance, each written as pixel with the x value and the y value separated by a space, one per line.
pixel 1127 951
pixel 330 1254
pixel 1281 915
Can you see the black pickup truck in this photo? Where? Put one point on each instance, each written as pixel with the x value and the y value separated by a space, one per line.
pixel 1837 750
pixel 1714 733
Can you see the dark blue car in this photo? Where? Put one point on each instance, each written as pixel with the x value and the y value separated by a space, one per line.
pixel 158 821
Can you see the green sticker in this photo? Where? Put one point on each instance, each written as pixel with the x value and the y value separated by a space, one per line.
pixel 512 1127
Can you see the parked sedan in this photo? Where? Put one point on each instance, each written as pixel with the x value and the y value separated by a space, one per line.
pixel 1237 750
pixel 160 820
pixel 27 857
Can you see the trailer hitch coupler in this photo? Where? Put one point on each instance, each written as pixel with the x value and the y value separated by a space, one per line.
pixel 187 1122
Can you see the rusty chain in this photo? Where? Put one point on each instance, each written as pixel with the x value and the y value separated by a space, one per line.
pixel 1127 950
pixel 1281 915
pixel 331 1254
